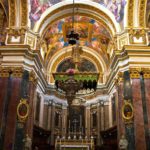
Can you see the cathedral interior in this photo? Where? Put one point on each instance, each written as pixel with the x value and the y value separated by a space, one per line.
pixel 75 74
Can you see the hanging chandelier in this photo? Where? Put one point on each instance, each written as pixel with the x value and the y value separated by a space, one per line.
pixel 72 81
pixel 72 36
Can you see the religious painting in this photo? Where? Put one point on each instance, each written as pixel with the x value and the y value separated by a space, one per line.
pixel 127 111
pixel 22 110
pixel 84 66
pixel 38 7
pixel 115 6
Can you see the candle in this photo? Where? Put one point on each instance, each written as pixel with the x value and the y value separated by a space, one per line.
pixel 69 124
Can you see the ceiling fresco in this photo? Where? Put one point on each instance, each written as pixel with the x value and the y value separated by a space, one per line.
pixel 92 34
pixel 84 66
pixel 38 7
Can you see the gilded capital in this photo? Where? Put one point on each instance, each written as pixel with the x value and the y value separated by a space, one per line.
pixel 17 72
pixel 135 73
pixel 4 72
pixel 146 73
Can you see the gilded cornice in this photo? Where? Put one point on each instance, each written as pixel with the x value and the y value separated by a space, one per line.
pixel 135 73
pixel 24 12
pixel 142 12
pixel 96 10
pixel 12 13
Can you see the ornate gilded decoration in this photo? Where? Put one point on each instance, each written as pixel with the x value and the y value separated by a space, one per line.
pixel 127 112
pixel 119 78
pixel 142 13
pixel 22 110
pixel 12 13
pixel 137 33
pixel 32 77
pixel 130 12
pixel 135 73
pixel 16 36
pixel 146 73
pixel 17 72
pixel 24 11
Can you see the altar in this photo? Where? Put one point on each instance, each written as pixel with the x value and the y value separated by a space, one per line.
pixel 74 144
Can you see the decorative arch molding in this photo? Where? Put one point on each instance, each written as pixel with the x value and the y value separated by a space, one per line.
pixel 88 53
pixel 62 8
pixel 12 13
pixel 136 10
pixel 142 13
pixel 24 12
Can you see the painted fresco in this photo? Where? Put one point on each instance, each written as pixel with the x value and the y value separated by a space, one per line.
pixel 38 7
pixel 93 34
pixel 84 66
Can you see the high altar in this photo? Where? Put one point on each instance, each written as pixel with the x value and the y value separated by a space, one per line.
pixel 74 144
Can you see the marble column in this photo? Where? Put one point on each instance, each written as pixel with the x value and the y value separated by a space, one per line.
pixel 4 80
pixel 102 124
pixel 146 77
pixel 64 120
pixel 138 110
pixel 88 121
pixel 49 116
pixel 119 87
pixel 98 125
pixel 53 124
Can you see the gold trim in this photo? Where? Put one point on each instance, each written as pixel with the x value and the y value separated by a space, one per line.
pixel 17 72
pixel 4 72
pixel 130 12
pixel 22 118
pixel 32 77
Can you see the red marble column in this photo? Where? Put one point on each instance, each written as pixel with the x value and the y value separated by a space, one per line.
pixel 146 75
pixel 120 123
pixel 12 113
pixel 30 120
pixel 3 87
pixel 139 132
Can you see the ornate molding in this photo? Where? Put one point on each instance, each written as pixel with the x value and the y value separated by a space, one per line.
pixel 16 36
pixel 130 12
pixel 12 13
pixel 137 36
pixel 135 73
pixel 142 11
pixel 24 11
pixel 119 78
